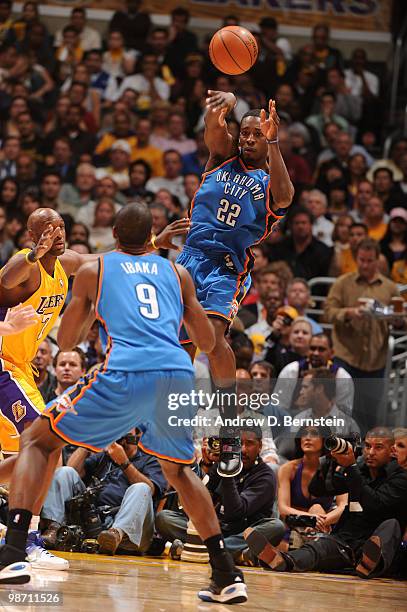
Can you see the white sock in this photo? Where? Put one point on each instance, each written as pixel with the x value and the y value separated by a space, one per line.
pixel 34 524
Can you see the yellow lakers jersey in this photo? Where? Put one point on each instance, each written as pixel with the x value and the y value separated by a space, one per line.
pixel 47 301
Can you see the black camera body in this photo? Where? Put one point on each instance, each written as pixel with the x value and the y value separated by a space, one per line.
pixel 83 522
pixel 294 521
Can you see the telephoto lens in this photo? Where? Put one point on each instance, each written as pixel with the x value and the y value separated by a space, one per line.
pixel 336 445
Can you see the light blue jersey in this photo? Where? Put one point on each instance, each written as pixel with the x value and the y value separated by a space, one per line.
pixel 142 319
pixel 231 212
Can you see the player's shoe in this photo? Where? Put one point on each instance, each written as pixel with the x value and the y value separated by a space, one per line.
pixel 371 557
pixel 225 587
pixel 15 573
pixel 262 549
pixel 230 458
pixel 40 558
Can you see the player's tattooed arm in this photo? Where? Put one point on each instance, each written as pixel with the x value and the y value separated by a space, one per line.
pixel 281 187
pixel 217 137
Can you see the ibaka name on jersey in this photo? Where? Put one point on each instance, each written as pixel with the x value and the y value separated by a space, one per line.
pixel 142 267
pixel 238 185
pixel 50 301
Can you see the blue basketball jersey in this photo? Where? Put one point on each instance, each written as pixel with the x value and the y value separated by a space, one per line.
pixel 231 212
pixel 140 306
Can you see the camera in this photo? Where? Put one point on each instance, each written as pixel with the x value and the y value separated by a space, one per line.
pixel 83 521
pixel 334 444
pixel 129 439
pixel 300 520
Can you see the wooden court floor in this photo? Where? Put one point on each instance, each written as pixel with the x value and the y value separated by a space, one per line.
pixel 96 583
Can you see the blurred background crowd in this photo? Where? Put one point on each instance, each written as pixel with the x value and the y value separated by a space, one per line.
pixel 90 123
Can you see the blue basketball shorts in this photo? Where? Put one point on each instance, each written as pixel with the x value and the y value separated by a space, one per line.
pixel 105 405
pixel 218 290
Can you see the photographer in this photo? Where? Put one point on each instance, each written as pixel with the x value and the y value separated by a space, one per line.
pixel 366 540
pixel 132 481
pixel 294 497
pixel 242 501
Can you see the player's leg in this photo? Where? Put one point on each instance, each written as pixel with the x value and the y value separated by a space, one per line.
pixel 227 584
pixel 222 360
pixel 222 365
pixel 38 455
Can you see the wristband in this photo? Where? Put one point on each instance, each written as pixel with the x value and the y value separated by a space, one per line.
pixel 124 466
pixel 29 258
pixel 272 141
pixel 153 238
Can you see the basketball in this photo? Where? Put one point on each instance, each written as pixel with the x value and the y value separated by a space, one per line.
pixel 233 50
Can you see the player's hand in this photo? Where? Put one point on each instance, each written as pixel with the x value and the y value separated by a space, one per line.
pixel 176 228
pixel 46 241
pixel 19 318
pixel 269 127
pixel 117 453
pixel 218 100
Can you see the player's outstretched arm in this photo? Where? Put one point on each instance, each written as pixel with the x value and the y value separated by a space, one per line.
pixel 79 311
pixel 197 323
pixel 281 186
pixel 18 269
pixel 217 138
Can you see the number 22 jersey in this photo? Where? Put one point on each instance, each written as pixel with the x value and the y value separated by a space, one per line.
pixel 231 212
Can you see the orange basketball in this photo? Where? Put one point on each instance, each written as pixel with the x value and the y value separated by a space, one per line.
pixel 233 50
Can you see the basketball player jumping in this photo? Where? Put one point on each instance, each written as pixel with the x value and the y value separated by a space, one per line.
pixel 141 301
pixel 245 190
pixel 37 278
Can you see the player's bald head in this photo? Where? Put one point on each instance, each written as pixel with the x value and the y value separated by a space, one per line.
pixel 39 220
pixel 132 226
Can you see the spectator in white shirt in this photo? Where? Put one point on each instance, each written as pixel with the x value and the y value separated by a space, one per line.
pixel 89 37
pixel 319 356
pixel 318 395
pixel 359 81
pixel 119 156
pixel 322 228
pixel 118 61
pixel 147 83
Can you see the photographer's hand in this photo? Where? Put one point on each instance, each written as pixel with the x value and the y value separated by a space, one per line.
pixel 117 453
pixel 345 459
pixel 320 521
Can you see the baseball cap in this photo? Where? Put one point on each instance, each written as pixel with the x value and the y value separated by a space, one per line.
pixel 287 311
pixel 121 145
pixel 398 213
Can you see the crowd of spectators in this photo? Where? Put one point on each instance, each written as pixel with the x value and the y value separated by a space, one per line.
pixel 91 122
